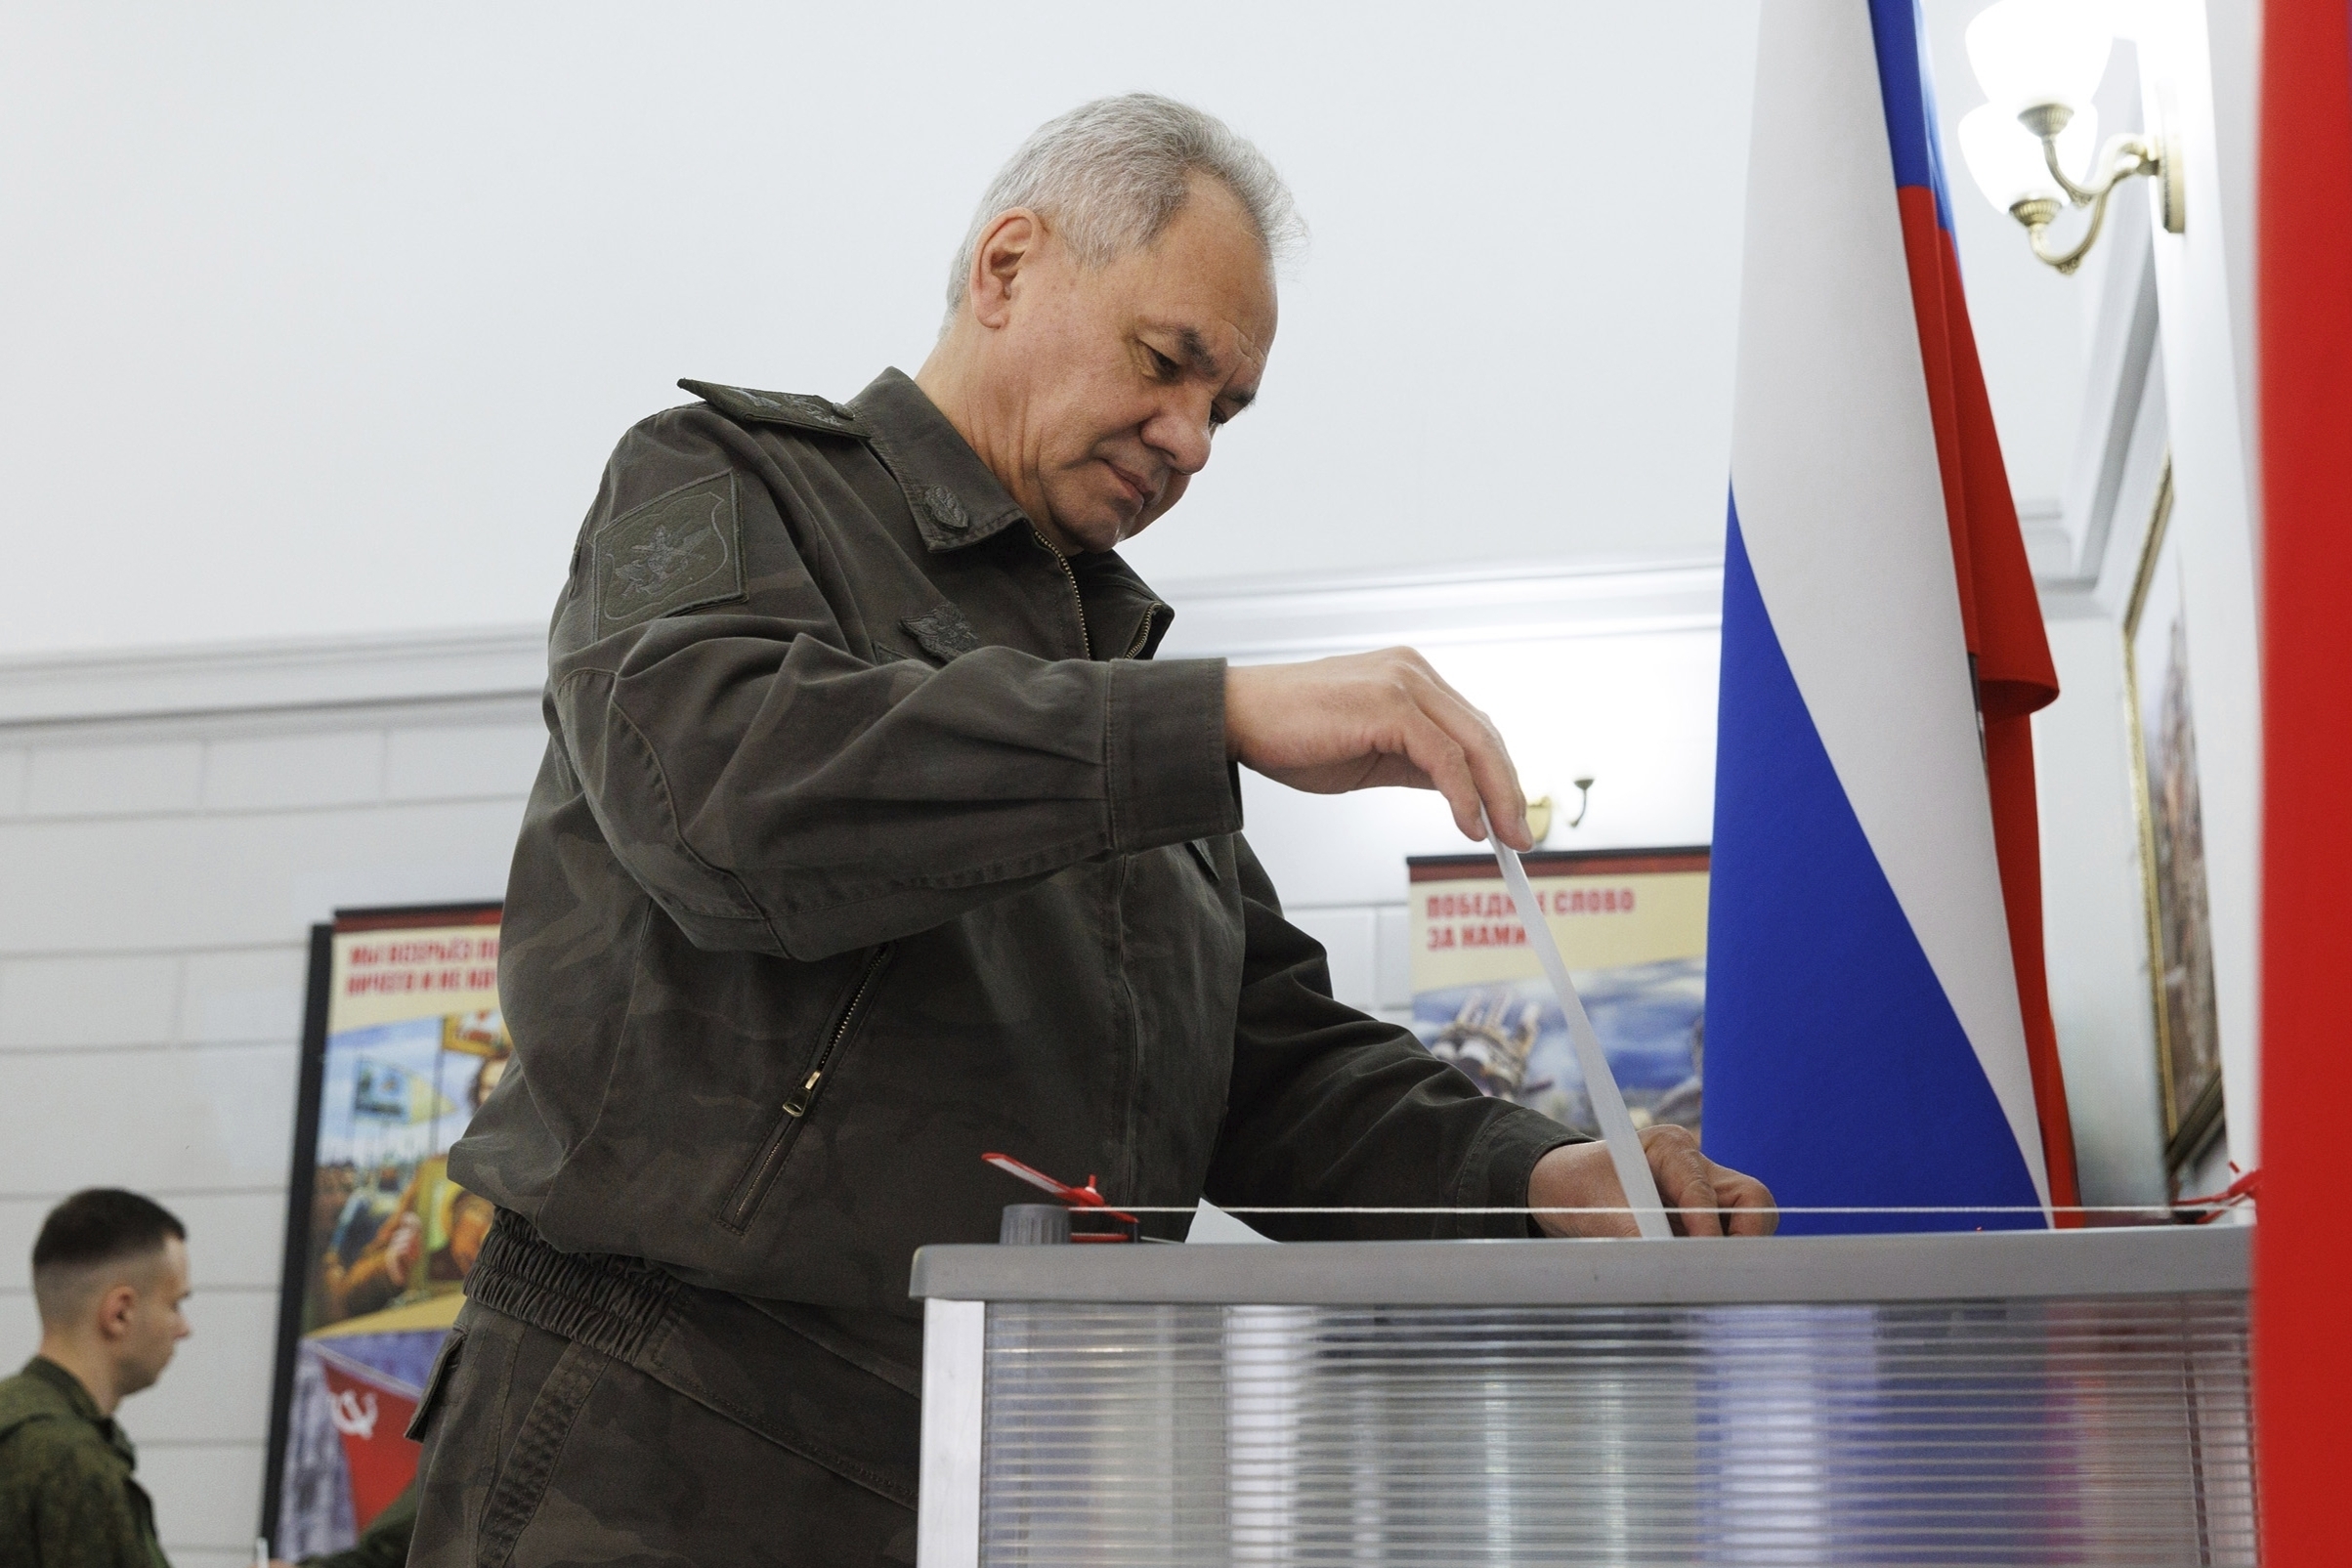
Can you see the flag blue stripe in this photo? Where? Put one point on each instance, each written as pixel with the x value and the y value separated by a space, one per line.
pixel 1837 1069
pixel 1907 87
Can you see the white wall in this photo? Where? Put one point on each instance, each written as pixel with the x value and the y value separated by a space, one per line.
pixel 340 308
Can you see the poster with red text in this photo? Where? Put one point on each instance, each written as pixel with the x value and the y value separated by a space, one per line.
pixel 1632 925
pixel 405 1040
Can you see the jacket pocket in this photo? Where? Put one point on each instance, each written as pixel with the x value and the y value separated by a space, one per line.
pixel 777 1148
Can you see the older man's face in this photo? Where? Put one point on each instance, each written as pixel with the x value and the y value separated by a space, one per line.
pixel 1116 379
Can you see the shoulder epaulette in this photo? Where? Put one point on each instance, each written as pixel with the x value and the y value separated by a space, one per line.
pixel 798 409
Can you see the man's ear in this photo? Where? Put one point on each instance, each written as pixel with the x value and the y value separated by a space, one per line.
pixel 1006 247
pixel 115 1306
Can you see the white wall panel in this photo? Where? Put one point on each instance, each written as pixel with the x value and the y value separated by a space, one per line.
pixel 91 781
pixel 294 769
pixel 2094 904
pixel 55 1001
pixel 12 779
pixel 206 1494
pixel 20 1323
pixel 447 762
pixel 255 995
pixel 156 1121
pixel 236 880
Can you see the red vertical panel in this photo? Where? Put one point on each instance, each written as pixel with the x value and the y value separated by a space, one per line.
pixel 2302 1266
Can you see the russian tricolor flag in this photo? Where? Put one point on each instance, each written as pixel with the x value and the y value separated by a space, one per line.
pixel 1878 1028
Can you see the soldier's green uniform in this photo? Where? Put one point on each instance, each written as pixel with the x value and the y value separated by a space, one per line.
pixel 66 1495
pixel 869 837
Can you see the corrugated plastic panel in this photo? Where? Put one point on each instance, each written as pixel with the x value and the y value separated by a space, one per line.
pixel 2086 1430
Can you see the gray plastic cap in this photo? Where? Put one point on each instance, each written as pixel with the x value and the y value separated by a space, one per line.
pixel 1034 1225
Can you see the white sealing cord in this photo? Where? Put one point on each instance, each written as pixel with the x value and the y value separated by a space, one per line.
pixel 1600 1083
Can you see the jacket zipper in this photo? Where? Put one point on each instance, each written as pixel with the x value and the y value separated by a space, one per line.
pixel 797 1105
pixel 805 1095
pixel 1144 631
pixel 1077 601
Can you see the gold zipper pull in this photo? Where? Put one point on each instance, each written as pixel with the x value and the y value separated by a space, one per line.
pixel 797 1105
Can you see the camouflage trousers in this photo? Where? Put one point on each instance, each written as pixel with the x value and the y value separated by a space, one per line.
pixel 715 1435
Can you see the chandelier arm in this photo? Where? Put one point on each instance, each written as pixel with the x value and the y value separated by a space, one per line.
pixel 2124 156
pixel 2075 193
pixel 2067 261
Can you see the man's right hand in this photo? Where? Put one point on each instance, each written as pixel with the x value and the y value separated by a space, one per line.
pixel 1370 719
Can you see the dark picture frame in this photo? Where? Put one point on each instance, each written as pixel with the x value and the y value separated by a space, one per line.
pixel 2165 797
pixel 299 1258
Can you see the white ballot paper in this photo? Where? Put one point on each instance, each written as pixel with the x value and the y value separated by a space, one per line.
pixel 1600 1083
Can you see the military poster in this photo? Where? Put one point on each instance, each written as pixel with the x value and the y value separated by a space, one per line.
pixel 404 1039
pixel 1633 928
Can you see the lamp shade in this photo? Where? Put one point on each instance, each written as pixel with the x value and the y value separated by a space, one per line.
pixel 2028 53
pixel 2006 158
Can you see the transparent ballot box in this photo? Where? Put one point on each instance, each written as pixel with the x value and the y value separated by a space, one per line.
pixel 2078 1397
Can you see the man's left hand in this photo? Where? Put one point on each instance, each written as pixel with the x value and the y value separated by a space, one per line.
pixel 1715 1199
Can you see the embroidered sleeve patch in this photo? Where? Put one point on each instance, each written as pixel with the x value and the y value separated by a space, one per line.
pixel 676 552
pixel 944 632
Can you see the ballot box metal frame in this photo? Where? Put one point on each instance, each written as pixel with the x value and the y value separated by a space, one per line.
pixel 2139 1269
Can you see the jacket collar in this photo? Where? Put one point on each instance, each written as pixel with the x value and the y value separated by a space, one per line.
pixel 67 1386
pixel 66 1390
pixel 957 501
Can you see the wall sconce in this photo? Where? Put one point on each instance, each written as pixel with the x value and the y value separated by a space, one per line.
pixel 2039 61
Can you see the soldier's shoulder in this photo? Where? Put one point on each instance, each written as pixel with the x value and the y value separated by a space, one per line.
pixel 47 1444
pixel 28 1397
pixel 798 411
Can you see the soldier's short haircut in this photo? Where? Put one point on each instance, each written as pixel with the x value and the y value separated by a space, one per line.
pixel 1113 174
pixel 88 1232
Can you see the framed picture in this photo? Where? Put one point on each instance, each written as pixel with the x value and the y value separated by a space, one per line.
pixel 1632 925
pixel 403 1038
pixel 2157 673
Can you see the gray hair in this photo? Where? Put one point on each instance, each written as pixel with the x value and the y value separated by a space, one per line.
pixel 1113 174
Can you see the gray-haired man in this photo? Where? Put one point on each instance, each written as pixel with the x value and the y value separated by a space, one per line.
pixel 870 837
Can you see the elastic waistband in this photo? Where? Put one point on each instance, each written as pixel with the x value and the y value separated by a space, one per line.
pixel 615 1305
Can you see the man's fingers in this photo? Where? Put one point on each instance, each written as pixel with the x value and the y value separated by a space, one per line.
pixel 1685 1182
pixel 1483 752
pixel 1367 719
pixel 1429 748
pixel 1749 1204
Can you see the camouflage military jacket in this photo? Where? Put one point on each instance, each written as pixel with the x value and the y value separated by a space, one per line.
pixel 870 837
pixel 66 1496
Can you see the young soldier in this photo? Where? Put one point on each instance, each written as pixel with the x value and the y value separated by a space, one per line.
pixel 110 1273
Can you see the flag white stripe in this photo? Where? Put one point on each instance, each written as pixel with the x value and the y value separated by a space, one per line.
pixel 1835 478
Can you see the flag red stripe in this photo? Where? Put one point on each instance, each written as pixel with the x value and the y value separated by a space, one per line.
pixel 2017 844
pixel 1923 244
pixel 2302 1270
pixel 2001 615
